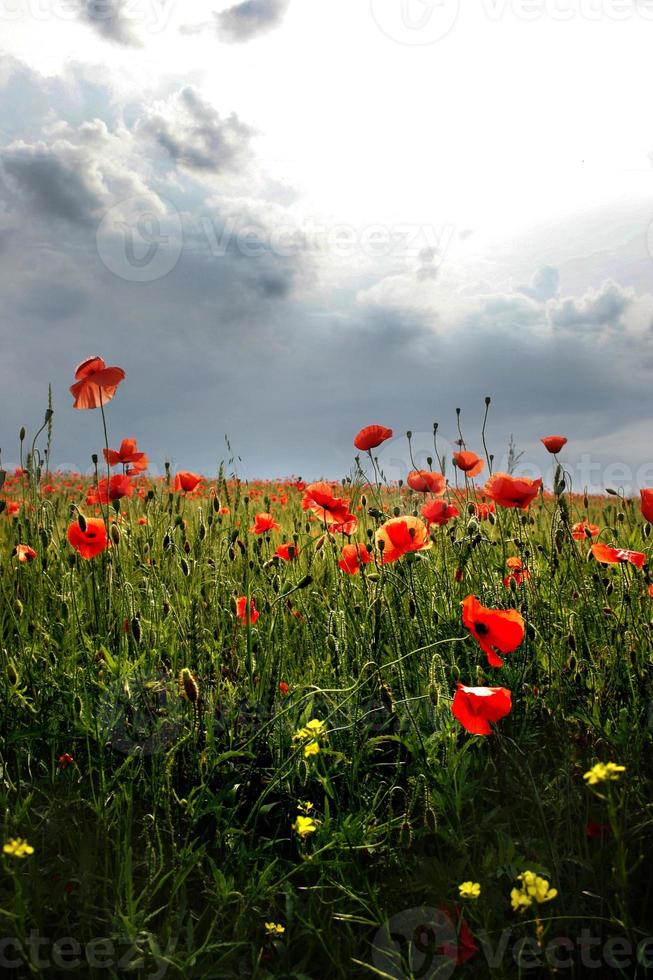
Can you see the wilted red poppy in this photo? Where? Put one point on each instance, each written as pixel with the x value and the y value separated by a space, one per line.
pixel 476 708
pixel 119 486
pixel 516 571
pixel 584 530
pixel 512 491
pixel 425 481
pixel 617 556
pixel 401 535
pixel 554 443
pixel 495 630
pixel 469 463
pixel 287 552
pixel 243 613
pixel 24 553
pixel 439 512
pixel 187 481
pixel 372 436
pixel 319 498
pixel 95 383
pixel 352 557
pixel 647 504
pixel 264 522
pixel 90 541
pixel 127 454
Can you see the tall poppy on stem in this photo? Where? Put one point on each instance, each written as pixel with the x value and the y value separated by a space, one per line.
pixel 263 523
pixel 186 482
pixel 401 535
pixel 88 536
pixel 95 383
pixel 371 436
pixel 495 630
pixel 646 503
pixel 617 556
pixel 553 444
pixel 352 557
pixel 477 708
pixel 439 512
pixel 468 462
pixel 246 612
pixel 425 481
pixel 319 498
pixel 127 454
pixel 512 491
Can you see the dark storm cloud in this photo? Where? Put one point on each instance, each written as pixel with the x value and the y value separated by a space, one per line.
pixel 600 308
pixel 250 19
pixel 197 137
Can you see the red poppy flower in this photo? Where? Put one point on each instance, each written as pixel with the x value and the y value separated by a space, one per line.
pixel 90 541
pixel 554 444
pixel 647 504
pixel 12 507
pixel 476 708
pixel 347 526
pixel 425 481
pixel 187 481
pixel 512 491
pixel 495 630
pixel 372 436
pixel 283 689
pixel 595 830
pixel 584 530
pixel 469 463
pixel 65 760
pixel 352 557
pixel 264 522
pixel 287 552
pixel 516 571
pixel 617 556
pixel 243 613
pixel 401 535
pixel 319 498
pixel 483 511
pixel 24 553
pixel 95 383
pixel 119 486
pixel 439 512
pixel 128 453
pixel 459 946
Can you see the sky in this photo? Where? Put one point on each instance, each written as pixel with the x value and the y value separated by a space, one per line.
pixel 288 219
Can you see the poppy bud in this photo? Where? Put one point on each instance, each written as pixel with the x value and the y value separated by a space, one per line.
pixel 405 833
pixel 136 629
pixel 22 434
pixel 363 500
pixel 396 511
pixel 646 530
pixel 409 434
pixel 202 532
pixel 94 459
pixel 12 674
pixel 187 547
pixel 184 567
pixel 431 820
pixel 216 505
pixel 165 608
pixel 166 542
pixel 188 686
pixel 305 582
pixel 411 608
pixel 81 520
pixel 115 534
pixel 621 517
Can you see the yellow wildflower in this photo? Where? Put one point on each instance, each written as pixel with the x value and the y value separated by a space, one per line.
pixel 304 826
pixel 18 848
pixel 311 748
pixel 469 889
pixel 603 772
pixel 305 806
pixel 533 889
pixel 274 929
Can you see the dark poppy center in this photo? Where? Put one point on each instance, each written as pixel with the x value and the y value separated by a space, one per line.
pixel 481 629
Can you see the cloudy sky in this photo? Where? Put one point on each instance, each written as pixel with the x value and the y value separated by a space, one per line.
pixel 288 218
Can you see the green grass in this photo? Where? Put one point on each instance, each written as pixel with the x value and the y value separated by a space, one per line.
pixel 170 835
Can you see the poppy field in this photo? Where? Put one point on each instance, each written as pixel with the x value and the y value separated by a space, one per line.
pixel 339 728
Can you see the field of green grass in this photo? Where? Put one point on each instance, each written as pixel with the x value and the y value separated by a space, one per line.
pixel 197 786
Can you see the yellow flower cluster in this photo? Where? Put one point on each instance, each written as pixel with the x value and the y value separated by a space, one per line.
pixel 310 734
pixel 603 772
pixel 533 889
pixel 18 848
pixel 304 824
pixel 274 929
pixel 469 889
